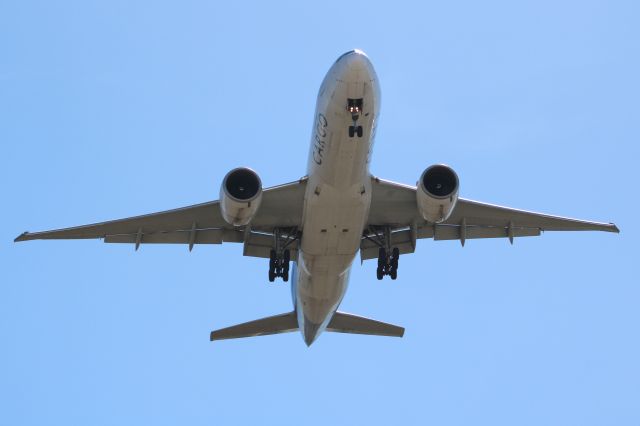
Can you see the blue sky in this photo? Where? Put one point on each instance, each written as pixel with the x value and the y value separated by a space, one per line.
pixel 110 109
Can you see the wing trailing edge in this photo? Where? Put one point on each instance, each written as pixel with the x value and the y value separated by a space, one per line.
pixel 283 323
pixel 354 324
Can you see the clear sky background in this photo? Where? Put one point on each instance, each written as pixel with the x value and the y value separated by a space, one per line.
pixel 116 108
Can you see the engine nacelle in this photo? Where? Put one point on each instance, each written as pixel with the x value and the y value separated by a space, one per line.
pixel 437 193
pixel 240 196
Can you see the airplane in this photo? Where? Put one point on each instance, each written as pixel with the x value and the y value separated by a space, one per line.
pixel 320 222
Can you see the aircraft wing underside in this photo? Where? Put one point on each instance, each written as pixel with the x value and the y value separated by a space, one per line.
pixel 394 206
pixel 281 208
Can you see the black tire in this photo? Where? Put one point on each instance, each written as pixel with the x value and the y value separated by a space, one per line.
pixel 272 276
pixel 352 131
pixel 379 273
pixel 396 257
pixel 393 273
pixel 272 259
pixel 382 255
pixel 359 130
pixel 285 275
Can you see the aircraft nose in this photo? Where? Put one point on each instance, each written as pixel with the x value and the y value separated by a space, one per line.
pixel 351 54
pixel 355 65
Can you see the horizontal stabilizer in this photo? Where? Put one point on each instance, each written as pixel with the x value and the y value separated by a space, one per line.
pixel 276 324
pixel 348 323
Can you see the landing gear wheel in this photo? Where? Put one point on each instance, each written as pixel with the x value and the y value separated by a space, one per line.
pixel 286 258
pixel 382 257
pixel 388 264
pixel 359 131
pixel 383 264
pixel 352 131
pixel 395 257
pixel 280 253
pixel 273 263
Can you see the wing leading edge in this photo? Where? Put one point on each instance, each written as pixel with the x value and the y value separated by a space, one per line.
pixel 394 206
pixel 197 224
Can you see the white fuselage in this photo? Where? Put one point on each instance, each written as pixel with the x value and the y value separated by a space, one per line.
pixel 338 192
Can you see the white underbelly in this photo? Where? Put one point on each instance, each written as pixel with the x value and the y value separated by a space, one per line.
pixel 334 220
pixel 332 230
pixel 321 285
pixel 338 193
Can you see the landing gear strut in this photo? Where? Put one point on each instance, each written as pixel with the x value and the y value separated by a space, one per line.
pixel 387 257
pixel 280 256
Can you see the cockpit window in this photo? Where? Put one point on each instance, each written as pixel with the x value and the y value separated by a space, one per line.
pixel 344 54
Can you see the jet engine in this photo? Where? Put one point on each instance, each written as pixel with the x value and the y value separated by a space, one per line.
pixel 437 193
pixel 240 196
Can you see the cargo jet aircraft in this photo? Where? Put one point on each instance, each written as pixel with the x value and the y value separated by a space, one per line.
pixel 321 221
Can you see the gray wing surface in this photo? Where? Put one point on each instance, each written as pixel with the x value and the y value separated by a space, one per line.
pixel 394 205
pixel 281 207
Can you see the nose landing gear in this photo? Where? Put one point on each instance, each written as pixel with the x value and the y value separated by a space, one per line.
pixel 354 106
pixel 355 130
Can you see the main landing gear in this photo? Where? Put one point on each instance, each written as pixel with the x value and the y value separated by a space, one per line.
pixel 280 255
pixel 388 257
pixel 354 106
pixel 279 266
pixel 388 264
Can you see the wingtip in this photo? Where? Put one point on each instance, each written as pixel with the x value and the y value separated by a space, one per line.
pixel 21 237
pixel 614 228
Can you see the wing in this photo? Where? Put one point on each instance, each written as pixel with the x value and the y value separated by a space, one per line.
pixel 394 208
pixel 281 207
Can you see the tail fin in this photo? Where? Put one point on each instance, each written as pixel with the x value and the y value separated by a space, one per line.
pixel 348 323
pixel 282 323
